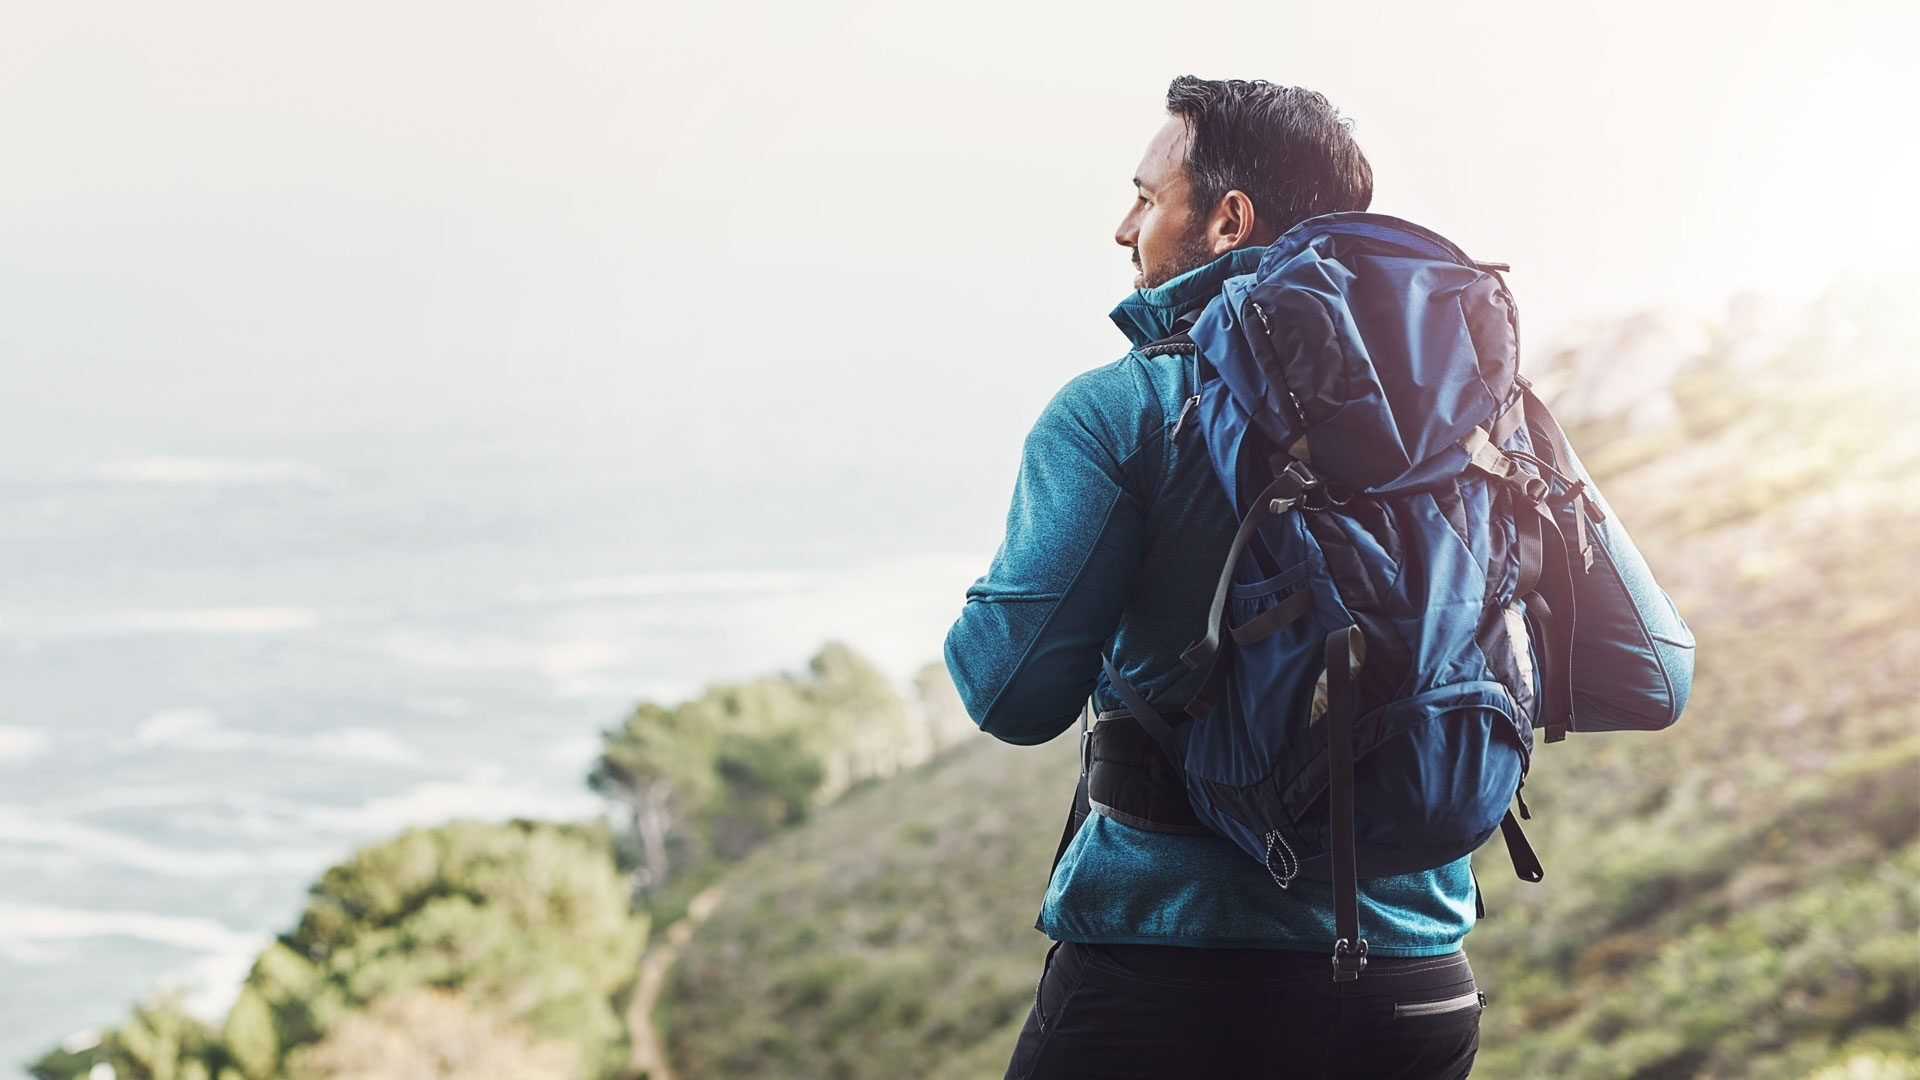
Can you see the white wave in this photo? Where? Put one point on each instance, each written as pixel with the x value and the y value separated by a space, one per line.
pixel 420 649
pixel 644 585
pixel 625 688
pixel 176 726
pixel 571 657
pixel 610 664
pixel 157 797
pixel 578 751
pixel 443 705
pixel 160 469
pixel 480 796
pixel 364 744
pixel 558 660
pixel 22 743
pixel 896 612
pixel 84 1039
pixel 210 982
pixel 201 730
pixel 34 953
pixel 61 839
pixel 224 620
pixel 182 808
pixel 42 923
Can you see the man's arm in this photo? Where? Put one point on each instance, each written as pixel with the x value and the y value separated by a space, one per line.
pixel 1026 649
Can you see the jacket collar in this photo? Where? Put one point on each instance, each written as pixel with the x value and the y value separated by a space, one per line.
pixel 1149 314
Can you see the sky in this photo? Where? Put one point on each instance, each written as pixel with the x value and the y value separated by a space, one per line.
pixel 832 246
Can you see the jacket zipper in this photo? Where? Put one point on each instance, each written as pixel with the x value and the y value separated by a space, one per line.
pixel 1181 420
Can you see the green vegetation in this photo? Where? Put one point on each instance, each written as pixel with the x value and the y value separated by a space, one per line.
pixel 892 936
pixel 707 780
pixel 1736 898
pixel 413 957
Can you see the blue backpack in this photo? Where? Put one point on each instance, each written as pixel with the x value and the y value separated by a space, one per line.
pixel 1394 623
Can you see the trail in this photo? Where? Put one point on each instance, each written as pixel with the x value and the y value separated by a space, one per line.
pixel 649 1059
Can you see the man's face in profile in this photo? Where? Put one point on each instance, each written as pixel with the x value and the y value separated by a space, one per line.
pixel 1166 232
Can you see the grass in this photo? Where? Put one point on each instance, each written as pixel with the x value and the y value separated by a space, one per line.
pixel 891 936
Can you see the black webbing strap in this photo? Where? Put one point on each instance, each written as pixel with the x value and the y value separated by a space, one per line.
pixel 1082 804
pixel 1268 622
pixel 1350 951
pixel 1145 715
pixel 1542 423
pixel 1202 700
pixel 1529 550
pixel 1525 862
pixel 1077 813
pixel 1287 486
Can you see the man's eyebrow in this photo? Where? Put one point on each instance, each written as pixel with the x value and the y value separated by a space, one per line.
pixel 1138 185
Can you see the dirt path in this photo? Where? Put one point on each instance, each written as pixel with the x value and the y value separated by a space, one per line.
pixel 650 1046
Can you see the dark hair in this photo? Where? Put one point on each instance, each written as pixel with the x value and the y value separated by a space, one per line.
pixel 1286 147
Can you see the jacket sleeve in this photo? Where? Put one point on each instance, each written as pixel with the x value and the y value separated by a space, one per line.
pixel 1026 649
pixel 1632 653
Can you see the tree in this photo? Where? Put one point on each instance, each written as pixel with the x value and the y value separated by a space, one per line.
pixel 714 775
pixel 527 922
pixel 161 1041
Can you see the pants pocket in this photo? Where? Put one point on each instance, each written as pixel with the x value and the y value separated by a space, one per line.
pixel 1040 988
pixel 1060 977
pixel 1472 999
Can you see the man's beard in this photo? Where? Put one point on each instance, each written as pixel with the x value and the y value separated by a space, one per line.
pixel 1193 252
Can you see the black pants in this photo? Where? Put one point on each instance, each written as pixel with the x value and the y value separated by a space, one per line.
pixel 1141 1011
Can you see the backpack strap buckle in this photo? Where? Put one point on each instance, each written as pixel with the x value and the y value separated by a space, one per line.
pixel 1484 453
pixel 1301 486
pixel 1349 959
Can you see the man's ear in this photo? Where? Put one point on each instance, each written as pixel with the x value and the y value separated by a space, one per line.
pixel 1233 224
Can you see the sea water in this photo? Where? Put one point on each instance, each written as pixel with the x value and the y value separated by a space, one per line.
pixel 221 674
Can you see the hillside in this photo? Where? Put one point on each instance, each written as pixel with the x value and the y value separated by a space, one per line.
pixel 890 937
pixel 1736 898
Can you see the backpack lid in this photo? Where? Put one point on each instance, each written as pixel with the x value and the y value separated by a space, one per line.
pixel 1363 344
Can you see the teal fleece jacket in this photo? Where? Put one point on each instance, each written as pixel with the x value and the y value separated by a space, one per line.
pixel 1116 536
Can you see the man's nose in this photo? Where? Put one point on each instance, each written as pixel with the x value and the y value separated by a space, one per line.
pixel 1128 234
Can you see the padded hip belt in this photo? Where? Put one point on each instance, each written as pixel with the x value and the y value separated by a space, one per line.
pixel 1131 781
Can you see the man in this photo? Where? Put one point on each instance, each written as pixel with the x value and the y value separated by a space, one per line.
pixel 1176 955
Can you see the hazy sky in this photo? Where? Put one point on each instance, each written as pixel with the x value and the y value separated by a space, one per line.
pixel 824 238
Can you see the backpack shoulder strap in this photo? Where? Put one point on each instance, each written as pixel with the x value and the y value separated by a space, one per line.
pixel 1181 342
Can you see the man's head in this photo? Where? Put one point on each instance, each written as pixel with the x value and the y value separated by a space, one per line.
pixel 1238 163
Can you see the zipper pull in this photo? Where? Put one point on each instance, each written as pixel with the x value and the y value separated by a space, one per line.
pixel 1182 418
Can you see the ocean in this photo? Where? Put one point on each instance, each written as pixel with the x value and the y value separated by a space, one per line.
pixel 219 674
